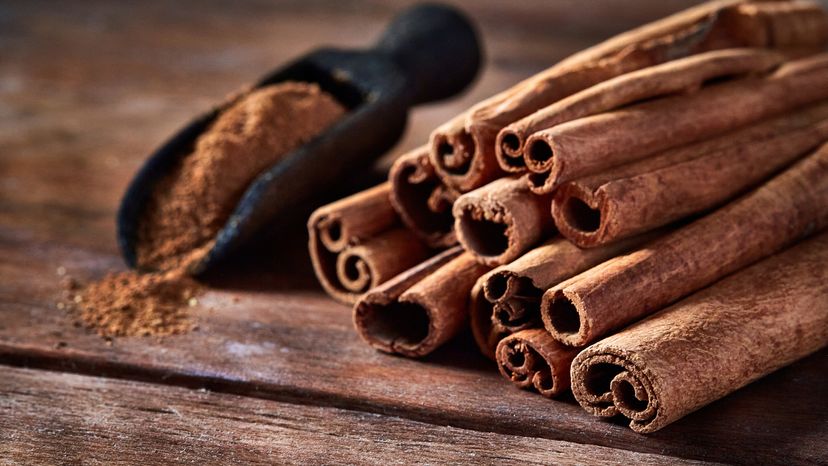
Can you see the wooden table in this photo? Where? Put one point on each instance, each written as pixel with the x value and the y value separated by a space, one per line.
pixel 275 372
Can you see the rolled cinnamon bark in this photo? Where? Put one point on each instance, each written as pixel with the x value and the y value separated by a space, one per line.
pixel 591 144
pixel 500 221
pixel 463 149
pixel 622 290
pixel 351 241
pixel 653 192
pixel 367 264
pixel 711 343
pixel 507 299
pixel 533 359
pixel 354 218
pixel 420 309
pixel 487 333
pixel 673 77
pixel 421 199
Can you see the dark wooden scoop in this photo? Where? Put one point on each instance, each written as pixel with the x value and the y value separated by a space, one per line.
pixel 427 53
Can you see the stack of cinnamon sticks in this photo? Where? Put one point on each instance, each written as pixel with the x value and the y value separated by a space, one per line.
pixel 644 222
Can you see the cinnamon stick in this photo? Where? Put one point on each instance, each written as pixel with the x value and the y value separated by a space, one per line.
pixel 711 343
pixel 463 149
pixel 507 299
pixel 355 243
pixel 487 334
pixel 420 309
pixel 622 290
pixel 683 75
pixel 422 201
pixel 501 220
pixel 376 260
pixel 533 359
pixel 653 192
pixel 591 144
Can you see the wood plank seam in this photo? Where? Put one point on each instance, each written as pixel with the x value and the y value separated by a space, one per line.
pixel 35 359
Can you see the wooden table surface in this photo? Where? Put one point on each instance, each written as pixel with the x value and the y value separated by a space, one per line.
pixel 275 373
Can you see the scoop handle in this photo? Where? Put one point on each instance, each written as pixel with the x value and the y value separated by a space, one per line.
pixel 437 48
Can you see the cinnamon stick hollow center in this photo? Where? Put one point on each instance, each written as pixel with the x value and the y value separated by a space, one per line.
pixel 508 298
pixel 653 192
pixel 420 309
pixel 682 75
pixel 711 343
pixel 421 199
pixel 615 293
pixel 356 243
pixel 464 149
pixel 588 145
pixel 500 221
pixel 532 358
pixel 363 266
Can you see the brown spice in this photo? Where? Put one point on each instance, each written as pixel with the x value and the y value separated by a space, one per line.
pixel 500 221
pixel 463 149
pixel 192 204
pixel 655 191
pixel 711 343
pixel 421 199
pixel 507 299
pixel 532 358
pixel 420 309
pixel 627 288
pixel 135 304
pixel 356 243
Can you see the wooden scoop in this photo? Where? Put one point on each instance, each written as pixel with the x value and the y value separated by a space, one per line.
pixel 427 53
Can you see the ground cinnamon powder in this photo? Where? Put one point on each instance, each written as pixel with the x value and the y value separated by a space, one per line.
pixel 130 303
pixel 191 205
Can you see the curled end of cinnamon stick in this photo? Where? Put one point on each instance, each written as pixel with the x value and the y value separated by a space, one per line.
pixel 539 154
pixel 502 220
pixel 563 318
pixel 606 383
pixel 580 215
pixel 539 157
pixel 394 327
pixel 324 258
pixel 480 316
pixel 454 152
pixel 422 201
pixel 489 236
pixel 420 309
pixel 509 150
pixel 329 229
pixel 500 284
pixel 532 359
pixel 460 155
pixel 356 243
pixel 353 271
pixel 539 183
pixel 451 152
pixel 516 301
pixel 348 273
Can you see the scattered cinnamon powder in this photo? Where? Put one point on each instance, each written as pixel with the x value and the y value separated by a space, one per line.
pixel 135 304
pixel 191 205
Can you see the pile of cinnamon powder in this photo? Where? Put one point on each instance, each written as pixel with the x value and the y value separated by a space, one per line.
pixel 192 204
pixel 130 303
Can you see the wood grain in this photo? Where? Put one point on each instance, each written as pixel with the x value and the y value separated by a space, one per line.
pixel 299 346
pixel 88 89
pixel 51 418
